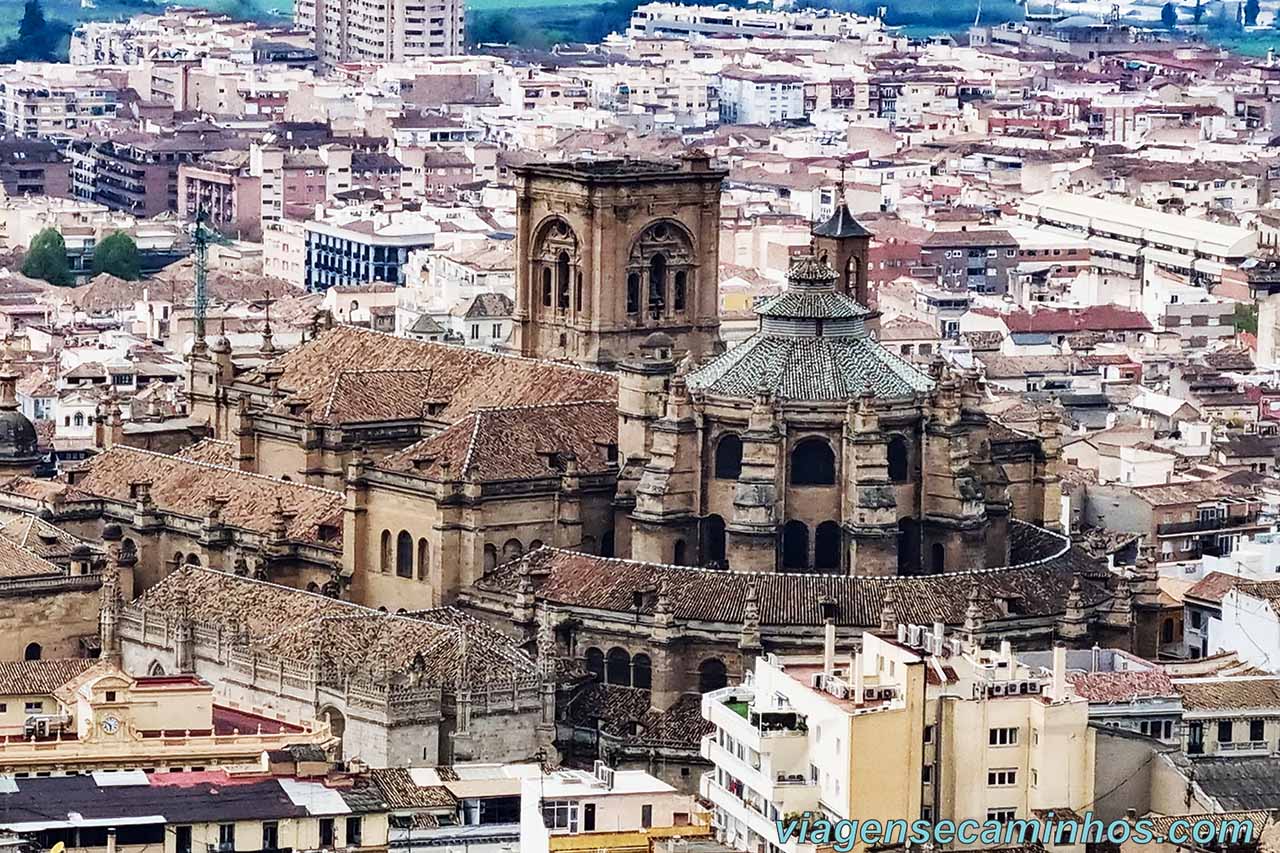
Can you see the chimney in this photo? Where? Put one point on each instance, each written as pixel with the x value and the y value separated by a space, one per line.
pixel 1006 652
pixel 859 680
pixel 1059 673
pixel 939 633
pixel 828 648
pixel 111 839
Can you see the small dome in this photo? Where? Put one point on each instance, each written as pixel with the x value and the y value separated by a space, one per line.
pixel 81 551
pixel 18 442
pixel 220 344
pixel 112 533
pixel 658 341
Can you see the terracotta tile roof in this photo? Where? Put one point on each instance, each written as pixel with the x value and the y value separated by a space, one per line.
pixel 1095 318
pixel 1122 686
pixel 360 396
pixel 305 627
pixel 461 378
pixel 40 677
pixel 45 540
pixel 1222 694
pixel 399 791
pixel 1268 591
pixel 181 486
pixel 1212 587
pixel 793 599
pixel 619 708
pixel 212 451
pixel 516 443
pixel 19 562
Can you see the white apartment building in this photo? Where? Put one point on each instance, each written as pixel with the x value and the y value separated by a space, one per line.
pixel 382 30
pixel 674 19
pixel 46 101
pixel 748 96
pixel 973 734
pixel 363 245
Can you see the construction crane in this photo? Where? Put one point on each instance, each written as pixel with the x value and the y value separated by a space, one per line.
pixel 201 237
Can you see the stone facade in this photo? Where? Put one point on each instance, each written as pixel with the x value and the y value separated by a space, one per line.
pixel 609 252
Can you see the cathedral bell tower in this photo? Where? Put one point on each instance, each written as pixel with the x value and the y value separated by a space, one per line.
pixel 610 251
pixel 844 244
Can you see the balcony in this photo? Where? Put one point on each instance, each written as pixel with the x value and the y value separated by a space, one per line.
pixel 1174 528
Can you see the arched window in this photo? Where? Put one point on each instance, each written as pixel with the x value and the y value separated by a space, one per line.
pixel 384 559
pixel 129 549
pixel 424 559
pixel 813 463
pixel 657 283
pixel 156 669
pixel 713 550
pixel 938 558
pixel 595 663
pixel 179 560
pixel 79 418
pixel 193 560
pixel 337 724
pixel 562 280
pixel 851 272
pixel 826 546
pixel 555 252
pixel 606 544
pixel 355 306
pixel 32 652
pixel 899 459
pixel 577 292
pixel 641 672
pixel 633 293
pixel 618 667
pixel 728 457
pixel 490 557
pixel 795 545
pixel 679 291
pixel 313 587
pixel 404 555
pixel 535 544
pixel 511 549
pixel 712 675
pixel 678 554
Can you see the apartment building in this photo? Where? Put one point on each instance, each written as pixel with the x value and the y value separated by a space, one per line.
pixel 137 172
pixel 749 96
pixel 364 245
pixel 973 734
pixel 977 260
pixel 381 30
pixel 1230 715
pixel 33 167
pixel 674 19
pixel 220 187
pixel 54 101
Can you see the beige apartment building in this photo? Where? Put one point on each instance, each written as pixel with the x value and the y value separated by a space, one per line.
pixel 382 30
pixel 918 726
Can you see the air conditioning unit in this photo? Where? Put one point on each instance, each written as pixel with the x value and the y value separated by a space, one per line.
pixel 913 636
pixel 926 643
pixel 839 691
pixel 868 694
pixel 815 680
pixel 888 692
pixel 997 689
pixel 1034 686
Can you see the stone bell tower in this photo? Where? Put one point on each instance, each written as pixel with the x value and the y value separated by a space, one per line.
pixel 610 251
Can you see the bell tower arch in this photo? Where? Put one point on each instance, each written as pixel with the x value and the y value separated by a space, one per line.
pixel 609 252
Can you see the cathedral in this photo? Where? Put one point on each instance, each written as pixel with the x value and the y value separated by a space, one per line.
pixel 807 448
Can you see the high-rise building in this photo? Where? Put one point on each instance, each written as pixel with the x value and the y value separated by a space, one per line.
pixel 382 30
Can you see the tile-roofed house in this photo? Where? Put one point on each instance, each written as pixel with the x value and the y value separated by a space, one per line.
pixel 517 442
pixel 19 561
pixel 1122 686
pixel 354 389
pixel 43 677
pixel 798 602
pixel 183 486
pixel 1230 693
pixel 400 792
pixel 47 541
pixel 345 656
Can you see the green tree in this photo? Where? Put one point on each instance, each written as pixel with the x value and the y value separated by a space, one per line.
pixel 117 255
pixel 1169 16
pixel 39 39
pixel 47 259
pixel 1245 318
pixel 1251 10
